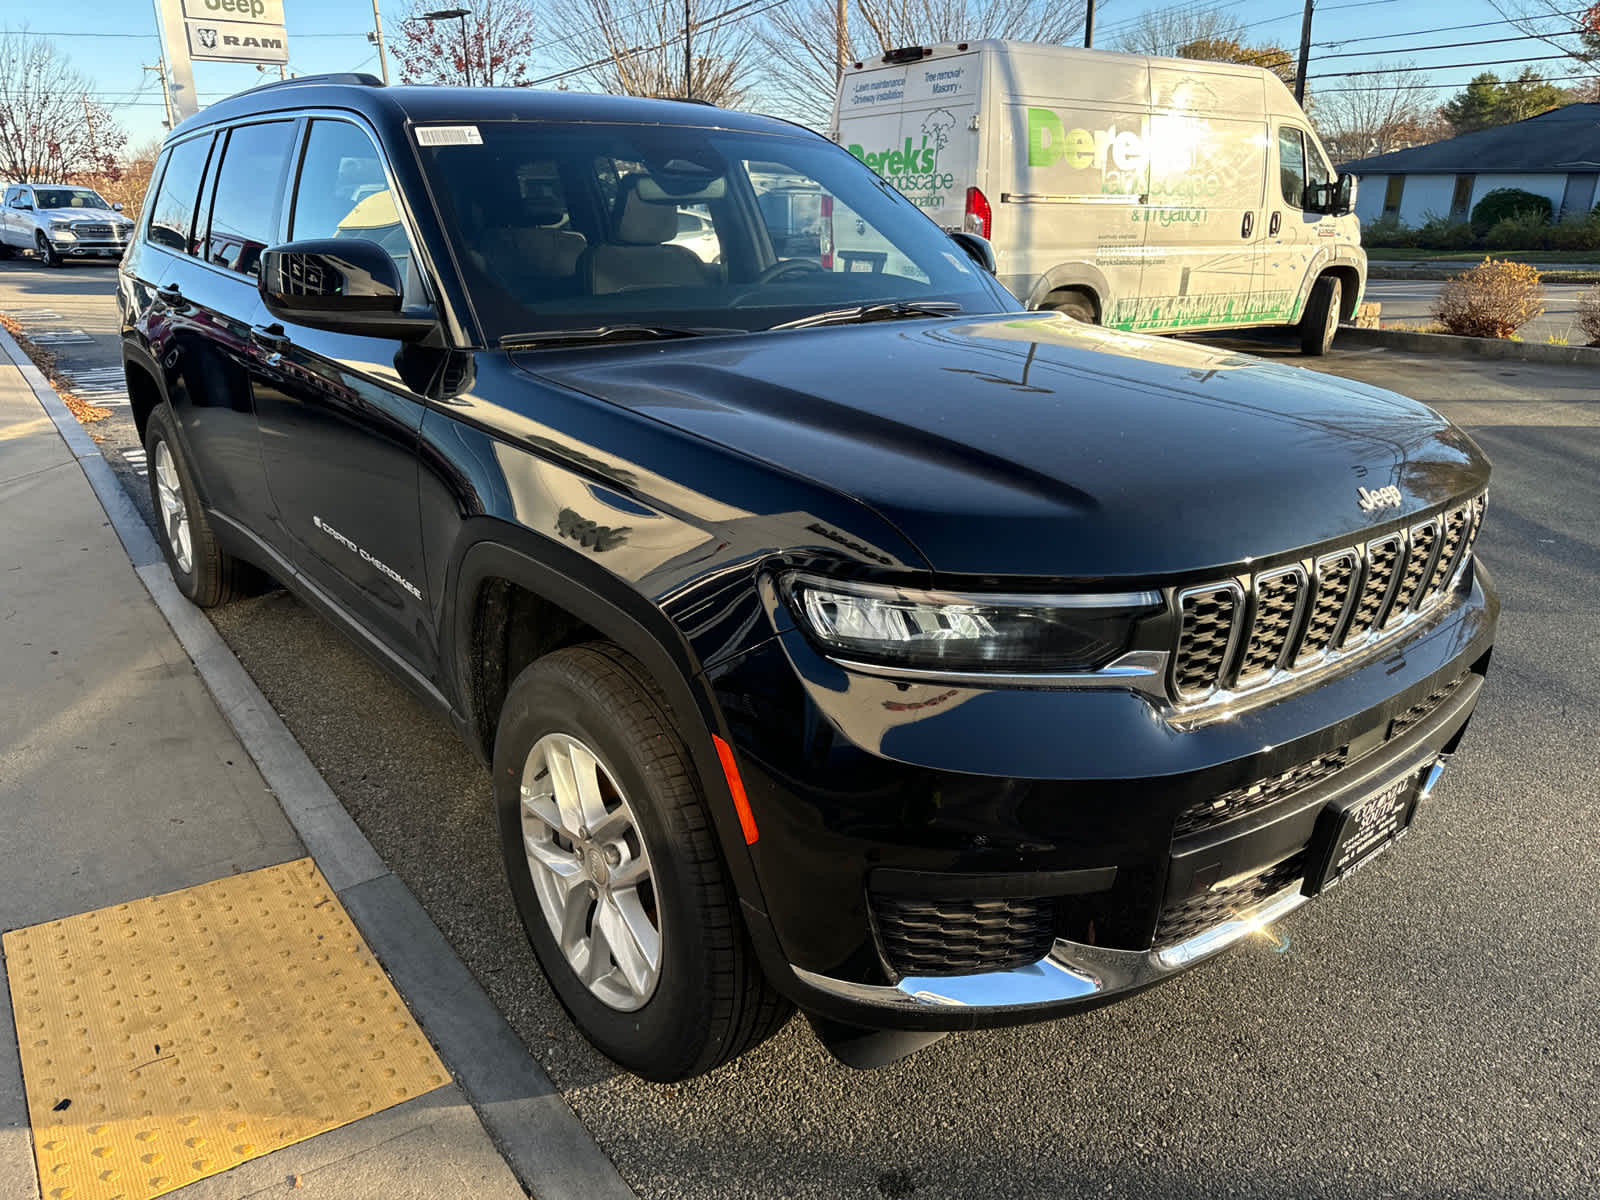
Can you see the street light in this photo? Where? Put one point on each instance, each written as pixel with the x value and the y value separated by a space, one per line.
pixel 461 14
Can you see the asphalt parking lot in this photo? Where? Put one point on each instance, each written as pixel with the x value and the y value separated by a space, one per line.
pixel 1433 1029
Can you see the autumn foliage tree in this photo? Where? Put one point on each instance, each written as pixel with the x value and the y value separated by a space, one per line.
pixel 1274 58
pixel 495 50
pixel 50 128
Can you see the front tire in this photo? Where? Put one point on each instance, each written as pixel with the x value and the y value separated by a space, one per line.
pixel 47 252
pixel 616 872
pixel 204 574
pixel 1320 321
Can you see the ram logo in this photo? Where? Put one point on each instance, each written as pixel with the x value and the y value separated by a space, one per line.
pixel 208 37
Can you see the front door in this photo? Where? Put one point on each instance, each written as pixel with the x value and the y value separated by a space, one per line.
pixel 1295 236
pixel 338 423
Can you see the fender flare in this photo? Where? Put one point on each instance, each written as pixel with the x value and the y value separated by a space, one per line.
pixel 1082 275
pixel 1326 258
pixel 618 614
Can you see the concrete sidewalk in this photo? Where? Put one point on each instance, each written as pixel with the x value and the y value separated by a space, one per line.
pixel 120 778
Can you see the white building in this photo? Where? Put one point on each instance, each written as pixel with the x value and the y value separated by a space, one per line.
pixel 1556 154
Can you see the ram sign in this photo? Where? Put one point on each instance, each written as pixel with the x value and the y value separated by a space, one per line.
pixel 236 30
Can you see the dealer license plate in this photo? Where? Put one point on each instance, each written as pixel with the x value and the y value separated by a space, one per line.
pixel 1351 833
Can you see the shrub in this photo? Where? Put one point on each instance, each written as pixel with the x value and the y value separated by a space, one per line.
pixel 1441 233
pixel 1589 315
pixel 1520 231
pixel 1388 232
pixel 1574 233
pixel 1508 202
pixel 1494 299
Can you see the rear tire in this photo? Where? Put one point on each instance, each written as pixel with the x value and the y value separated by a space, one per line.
pixel 203 572
pixel 1076 305
pixel 5 251
pixel 1320 321
pixel 47 252
pixel 585 737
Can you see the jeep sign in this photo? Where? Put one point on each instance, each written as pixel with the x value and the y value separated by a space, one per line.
pixel 235 41
pixel 259 12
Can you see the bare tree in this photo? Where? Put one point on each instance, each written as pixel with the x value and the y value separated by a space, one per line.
pixel 800 39
pixel 1559 24
pixel 1389 109
pixel 1165 31
pixel 49 126
pixel 620 47
pixel 491 47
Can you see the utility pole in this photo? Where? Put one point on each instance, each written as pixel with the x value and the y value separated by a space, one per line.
pixel 1088 26
pixel 841 47
pixel 161 77
pixel 1305 55
pixel 376 36
pixel 688 58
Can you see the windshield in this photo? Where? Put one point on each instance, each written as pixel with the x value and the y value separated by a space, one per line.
pixel 567 226
pixel 68 198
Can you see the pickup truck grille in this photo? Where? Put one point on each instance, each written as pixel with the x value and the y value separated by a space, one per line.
pixel 1260 631
pixel 94 231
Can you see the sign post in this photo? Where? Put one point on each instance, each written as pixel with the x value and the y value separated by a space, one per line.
pixel 245 31
pixel 179 79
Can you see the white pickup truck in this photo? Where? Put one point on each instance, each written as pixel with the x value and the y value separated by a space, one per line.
pixel 58 222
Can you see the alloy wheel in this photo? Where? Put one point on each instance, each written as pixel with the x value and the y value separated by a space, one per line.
pixel 174 512
pixel 591 871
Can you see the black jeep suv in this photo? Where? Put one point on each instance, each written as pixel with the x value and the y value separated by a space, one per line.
pixel 839 634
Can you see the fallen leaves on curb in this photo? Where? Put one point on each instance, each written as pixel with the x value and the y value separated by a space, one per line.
pixel 50 368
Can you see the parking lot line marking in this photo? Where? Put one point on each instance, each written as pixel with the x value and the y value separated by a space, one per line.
pixel 169 1039
pixel 60 337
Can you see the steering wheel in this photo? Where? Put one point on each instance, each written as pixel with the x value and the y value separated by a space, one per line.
pixel 789 266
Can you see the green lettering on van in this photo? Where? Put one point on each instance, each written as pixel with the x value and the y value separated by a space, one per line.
pixel 1046 138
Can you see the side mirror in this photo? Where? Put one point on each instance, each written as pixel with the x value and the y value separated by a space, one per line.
pixel 345 285
pixel 116 206
pixel 978 250
pixel 1335 199
pixel 24 206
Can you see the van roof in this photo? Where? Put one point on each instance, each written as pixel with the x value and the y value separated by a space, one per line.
pixel 381 104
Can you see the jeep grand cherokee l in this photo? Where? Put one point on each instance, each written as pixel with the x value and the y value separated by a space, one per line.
pixel 838 634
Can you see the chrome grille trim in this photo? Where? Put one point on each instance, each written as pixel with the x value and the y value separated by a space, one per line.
pixel 1348 602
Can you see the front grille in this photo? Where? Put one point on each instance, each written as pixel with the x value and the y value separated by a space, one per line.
pixel 1424 708
pixel 93 231
pixel 1249 634
pixel 1182 919
pixel 961 937
pixel 1261 793
pixel 1204 638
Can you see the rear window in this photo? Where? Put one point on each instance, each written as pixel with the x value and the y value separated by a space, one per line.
pixel 172 211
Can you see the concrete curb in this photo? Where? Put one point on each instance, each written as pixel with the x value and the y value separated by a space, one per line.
pixel 515 1100
pixel 1467 347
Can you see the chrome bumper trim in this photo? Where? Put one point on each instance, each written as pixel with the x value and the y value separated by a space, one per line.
pixel 1071 971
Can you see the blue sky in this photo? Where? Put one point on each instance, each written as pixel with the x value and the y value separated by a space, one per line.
pixel 109 43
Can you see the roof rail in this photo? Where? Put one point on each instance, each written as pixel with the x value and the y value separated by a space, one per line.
pixel 350 78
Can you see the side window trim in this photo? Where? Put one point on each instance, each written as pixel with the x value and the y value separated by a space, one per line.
pixel 213 173
pixel 1300 140
pixel 160 183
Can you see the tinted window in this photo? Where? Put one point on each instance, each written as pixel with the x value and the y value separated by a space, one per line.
pixel 1292 166
pixel 244 214
pixel 343 192
pixel 69 198
pixel 172 213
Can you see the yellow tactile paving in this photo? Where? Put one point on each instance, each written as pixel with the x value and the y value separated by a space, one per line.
pixel 172 1038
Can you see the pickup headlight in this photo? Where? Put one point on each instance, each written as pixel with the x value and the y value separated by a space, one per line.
pixel 1003 634
pixel 61 231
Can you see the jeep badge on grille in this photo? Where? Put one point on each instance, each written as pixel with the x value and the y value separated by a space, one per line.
pixel 1384 497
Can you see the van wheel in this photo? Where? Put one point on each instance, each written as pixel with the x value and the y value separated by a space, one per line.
pixel 616 872
pixel 204 574
pixel 1320 320
pixel 1073 304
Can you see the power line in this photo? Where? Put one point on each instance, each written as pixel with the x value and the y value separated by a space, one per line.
pixel 707 26
pixel 1379 37
pixel 1401 87
pixel 1493 62
pixel 1422 49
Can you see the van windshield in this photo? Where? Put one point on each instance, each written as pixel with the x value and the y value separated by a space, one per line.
pixel 566 226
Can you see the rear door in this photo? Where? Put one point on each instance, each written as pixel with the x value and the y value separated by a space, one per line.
pixel 915 125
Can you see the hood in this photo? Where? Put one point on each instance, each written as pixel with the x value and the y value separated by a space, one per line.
pixel 77 216
pixel 1035 445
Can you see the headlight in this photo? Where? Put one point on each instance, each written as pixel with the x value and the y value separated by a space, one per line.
pixel 62 231
pixel 1004 634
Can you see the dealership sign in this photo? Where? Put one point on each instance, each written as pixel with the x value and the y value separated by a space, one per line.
pixel 236 30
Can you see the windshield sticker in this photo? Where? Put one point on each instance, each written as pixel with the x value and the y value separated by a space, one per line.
pixel 449 135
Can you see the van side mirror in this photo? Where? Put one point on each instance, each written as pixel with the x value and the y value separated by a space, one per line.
pixel 1335 199
pixel 978 249
pixel 345 285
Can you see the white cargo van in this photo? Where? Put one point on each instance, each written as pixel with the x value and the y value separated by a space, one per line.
pixel 1156 194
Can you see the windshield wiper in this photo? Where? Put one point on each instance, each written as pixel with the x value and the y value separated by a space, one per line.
pixel 606 333
pixel 862 313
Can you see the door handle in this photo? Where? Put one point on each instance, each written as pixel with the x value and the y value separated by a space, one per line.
pixel 1275 224
pixel 1249 224
pixel 270 337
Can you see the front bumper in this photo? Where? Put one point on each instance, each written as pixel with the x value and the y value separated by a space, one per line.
pixel 854 779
